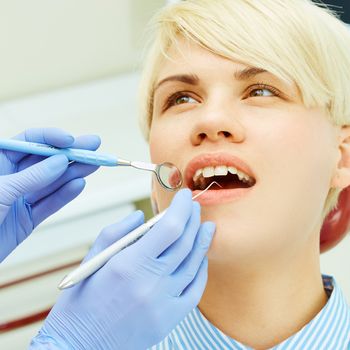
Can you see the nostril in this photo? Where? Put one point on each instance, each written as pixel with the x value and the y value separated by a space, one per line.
pixel 202 136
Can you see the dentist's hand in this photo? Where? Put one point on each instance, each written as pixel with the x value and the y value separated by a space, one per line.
pixel 32 187
pixel 142 293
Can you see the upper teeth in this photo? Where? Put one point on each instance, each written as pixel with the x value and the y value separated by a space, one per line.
pixel 221 170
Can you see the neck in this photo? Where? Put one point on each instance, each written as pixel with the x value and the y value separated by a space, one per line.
pixel 263 306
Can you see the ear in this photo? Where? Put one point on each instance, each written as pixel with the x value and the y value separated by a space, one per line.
pixel 153 198
pixel 341 178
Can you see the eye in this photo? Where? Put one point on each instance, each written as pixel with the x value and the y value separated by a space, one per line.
pixel 260 92
pixel 183 99
pixel 179 98
pixel 263 90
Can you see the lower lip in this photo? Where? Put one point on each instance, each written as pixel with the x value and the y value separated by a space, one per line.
pixel 214 197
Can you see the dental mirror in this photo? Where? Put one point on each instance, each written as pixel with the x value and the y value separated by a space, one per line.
pixel 167 174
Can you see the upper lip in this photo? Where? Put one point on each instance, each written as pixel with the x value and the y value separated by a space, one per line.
pixel 214 159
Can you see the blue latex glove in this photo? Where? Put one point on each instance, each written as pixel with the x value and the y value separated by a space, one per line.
pixel 142 293
pixel 32 187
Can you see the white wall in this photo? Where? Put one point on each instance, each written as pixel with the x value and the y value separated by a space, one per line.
pixel 47 44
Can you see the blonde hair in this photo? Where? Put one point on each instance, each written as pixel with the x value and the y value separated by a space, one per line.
pixel 296 40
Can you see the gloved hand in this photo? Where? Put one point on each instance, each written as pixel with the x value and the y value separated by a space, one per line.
pixel 140 294
pixel 32 187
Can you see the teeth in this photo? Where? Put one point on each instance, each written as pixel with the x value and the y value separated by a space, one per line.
pixel 232 170
pixel 243 177
pixel 240 175
pixel 221 170
pixel 208 171
pixel 197 174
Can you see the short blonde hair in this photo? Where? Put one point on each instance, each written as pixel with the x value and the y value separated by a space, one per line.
pixel 296 40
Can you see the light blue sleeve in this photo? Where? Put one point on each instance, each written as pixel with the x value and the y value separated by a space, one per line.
pixel 165 344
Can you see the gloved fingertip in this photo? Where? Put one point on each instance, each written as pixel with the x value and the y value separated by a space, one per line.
pixel 196 206
pixel 209 226
pixel 80 182
pixel 95 140
pixel 58 137
pixel 69 191
pixel 137 216
pixel 68 140
pixel 185 193
pixel 139 213
pixel 56 162
pixel 65 137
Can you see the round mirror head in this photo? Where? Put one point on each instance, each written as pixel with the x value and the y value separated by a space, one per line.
pixel 169 176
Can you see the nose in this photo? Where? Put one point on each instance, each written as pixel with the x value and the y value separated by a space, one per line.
pixel 213 126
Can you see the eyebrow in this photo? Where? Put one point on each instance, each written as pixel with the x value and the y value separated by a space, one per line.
pixel 193 79
pixel 248 73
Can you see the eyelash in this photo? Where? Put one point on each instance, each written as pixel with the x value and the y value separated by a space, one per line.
pixel 263 86
pixel 170 101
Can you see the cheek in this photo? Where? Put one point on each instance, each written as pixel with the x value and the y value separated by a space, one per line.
pixel 155 139
pixel 164 143
pixel 300 148
pixel 312 152
pixel 300 163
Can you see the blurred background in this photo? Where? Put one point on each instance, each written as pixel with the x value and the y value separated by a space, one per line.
pixel 341 6
pixel 75 65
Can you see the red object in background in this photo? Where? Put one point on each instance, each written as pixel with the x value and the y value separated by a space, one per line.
pixel 337 223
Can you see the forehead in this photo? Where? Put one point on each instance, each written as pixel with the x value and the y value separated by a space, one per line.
pixel 187 55
pixel 189 62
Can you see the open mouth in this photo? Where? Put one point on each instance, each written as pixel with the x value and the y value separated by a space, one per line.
pixel 228 177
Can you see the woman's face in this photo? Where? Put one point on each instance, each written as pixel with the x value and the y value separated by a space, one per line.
pixel 215 116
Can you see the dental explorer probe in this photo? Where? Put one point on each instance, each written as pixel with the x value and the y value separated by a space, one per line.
pixel 92 265
pixel 167 174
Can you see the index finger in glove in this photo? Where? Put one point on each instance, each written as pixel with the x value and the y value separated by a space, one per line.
pixel 89 142
pixel 169 228
pixel 75 170
pixel 31 179
pixel 52 136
